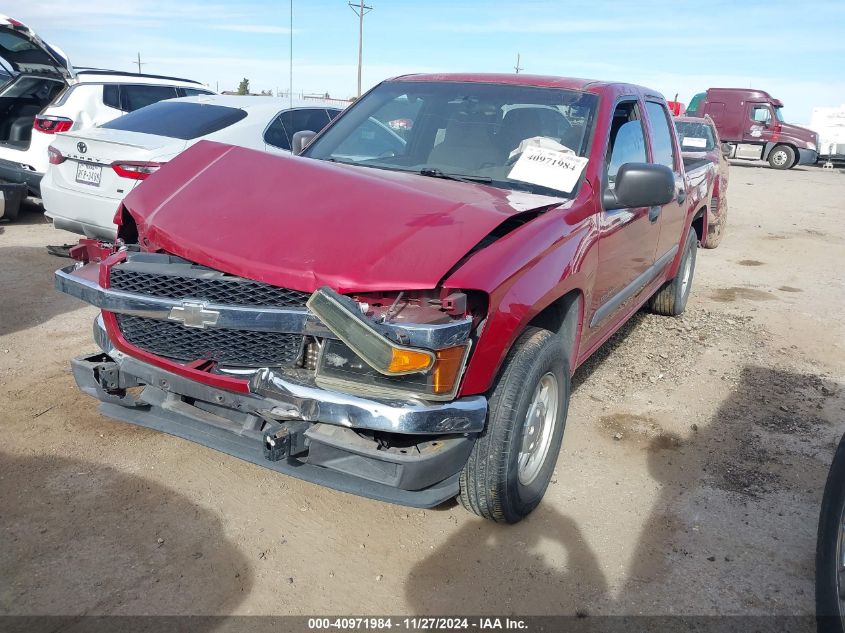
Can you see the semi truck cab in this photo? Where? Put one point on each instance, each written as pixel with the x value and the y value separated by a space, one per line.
pixel 751 123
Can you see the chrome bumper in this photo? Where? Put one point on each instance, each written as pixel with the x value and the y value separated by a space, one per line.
pixel 260 319
pixel 276 396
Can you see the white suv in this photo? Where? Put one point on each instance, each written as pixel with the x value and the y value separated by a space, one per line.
pixel 44 95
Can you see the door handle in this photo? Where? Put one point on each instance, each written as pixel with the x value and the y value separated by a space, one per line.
pixel 654 213
pixel 682 195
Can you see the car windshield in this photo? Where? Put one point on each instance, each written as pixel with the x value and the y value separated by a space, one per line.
pixel 178 119
pixel 779 114
pixel 462 130
pixel 695 137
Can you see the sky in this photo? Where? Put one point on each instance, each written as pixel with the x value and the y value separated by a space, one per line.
pixel 790 48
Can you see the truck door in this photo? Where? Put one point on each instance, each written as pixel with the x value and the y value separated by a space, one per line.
pixel 673 216
pixel 628 237
pixel 758 124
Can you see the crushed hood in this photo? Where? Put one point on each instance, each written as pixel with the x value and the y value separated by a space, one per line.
pixel 302 223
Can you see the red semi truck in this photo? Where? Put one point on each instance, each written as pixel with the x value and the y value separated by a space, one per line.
pixel 397 314
pixel 751 123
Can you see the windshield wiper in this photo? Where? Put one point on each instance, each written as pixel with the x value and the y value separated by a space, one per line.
pixel 434 172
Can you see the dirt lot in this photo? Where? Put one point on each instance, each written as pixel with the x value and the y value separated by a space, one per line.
pixel 689 482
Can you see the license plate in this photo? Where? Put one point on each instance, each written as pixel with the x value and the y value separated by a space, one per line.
pixel 89 174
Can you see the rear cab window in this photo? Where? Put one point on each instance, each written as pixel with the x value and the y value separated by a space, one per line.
pixel 695 137
pixel 662 144
pixel 180 120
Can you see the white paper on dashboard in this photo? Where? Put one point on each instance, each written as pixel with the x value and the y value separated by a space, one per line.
pixel 548 168
pixel 692 141
pixel 525 201
pixel 539 141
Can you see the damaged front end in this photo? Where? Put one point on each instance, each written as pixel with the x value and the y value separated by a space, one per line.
pixel 357 393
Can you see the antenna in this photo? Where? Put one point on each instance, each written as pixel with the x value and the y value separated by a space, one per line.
pixel 360 10
pixel 139 63
pixel 517 68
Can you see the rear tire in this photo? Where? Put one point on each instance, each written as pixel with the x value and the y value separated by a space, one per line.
pixel 782 157
pixel 829 582
pixel 512 461
pixel 716 229
pixel 671 299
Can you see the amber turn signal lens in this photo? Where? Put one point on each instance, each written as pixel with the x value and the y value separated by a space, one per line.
pixel 407 360
pixel 447 364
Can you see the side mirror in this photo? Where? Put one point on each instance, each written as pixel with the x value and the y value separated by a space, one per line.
pixel 727 150
pixel 640 185
pixel 300 141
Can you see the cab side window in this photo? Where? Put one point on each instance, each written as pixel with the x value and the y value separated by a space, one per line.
pixel 662 145
pixel 627 139
pixel 760 114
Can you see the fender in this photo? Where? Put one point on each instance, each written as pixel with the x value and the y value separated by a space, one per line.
pixel 523 274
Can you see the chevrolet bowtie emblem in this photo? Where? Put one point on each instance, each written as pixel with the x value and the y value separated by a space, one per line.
pixel 193 314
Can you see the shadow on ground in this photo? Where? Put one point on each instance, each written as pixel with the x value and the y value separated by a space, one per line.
pixel 81 538
pixel 27 274
pixel 31 212
pixel 759 443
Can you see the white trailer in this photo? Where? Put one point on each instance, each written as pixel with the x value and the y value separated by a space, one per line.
pixel 829 123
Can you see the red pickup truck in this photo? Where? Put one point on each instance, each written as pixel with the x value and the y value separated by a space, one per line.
pixel 396 312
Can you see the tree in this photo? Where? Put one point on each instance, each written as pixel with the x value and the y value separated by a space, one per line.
pixel 243 87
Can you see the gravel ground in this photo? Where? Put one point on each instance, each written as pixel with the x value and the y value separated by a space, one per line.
pixel 689 482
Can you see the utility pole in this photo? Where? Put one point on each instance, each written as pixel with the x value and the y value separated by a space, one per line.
pixel 360 10
pixel 139 63
pixel 517 68
pixel 290 76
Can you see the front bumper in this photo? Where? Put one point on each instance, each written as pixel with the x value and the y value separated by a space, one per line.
pixel 807 157
pixel 423 472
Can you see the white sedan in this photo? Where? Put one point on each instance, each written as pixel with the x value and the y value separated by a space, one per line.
pixel 92 170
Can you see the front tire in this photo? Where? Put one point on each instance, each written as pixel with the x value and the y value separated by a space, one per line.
pixel 512 461
pixel 671 299
pixel 830 549
pixel 782 157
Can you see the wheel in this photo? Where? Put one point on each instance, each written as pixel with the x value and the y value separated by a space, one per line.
pixel 830 549
pixel 512 461
pixel 782 157
pixel 716 228
pixel 671 299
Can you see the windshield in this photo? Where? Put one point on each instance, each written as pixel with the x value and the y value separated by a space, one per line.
pixel 695 137
pixel 178 119
pixel 779 114
pixel 463 130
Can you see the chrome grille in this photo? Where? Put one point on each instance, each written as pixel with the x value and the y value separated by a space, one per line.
pixel 234 348
pixel 214 287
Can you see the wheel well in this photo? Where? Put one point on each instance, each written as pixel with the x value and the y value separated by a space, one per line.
pixel 562 316
pixel 698 223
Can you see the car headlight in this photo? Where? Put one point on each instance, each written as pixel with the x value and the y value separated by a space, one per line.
pixel 365 359
pixel 339 366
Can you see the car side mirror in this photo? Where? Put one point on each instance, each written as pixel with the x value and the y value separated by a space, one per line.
pixel 726 150
pixel 300 141
pixel 640 185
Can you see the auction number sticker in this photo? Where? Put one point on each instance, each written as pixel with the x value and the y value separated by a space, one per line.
pixel 548 168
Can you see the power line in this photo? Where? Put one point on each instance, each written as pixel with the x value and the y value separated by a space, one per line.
pixel 360 10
